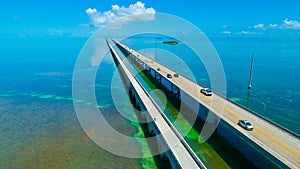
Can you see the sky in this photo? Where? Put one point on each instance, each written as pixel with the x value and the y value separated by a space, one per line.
pixel 80 18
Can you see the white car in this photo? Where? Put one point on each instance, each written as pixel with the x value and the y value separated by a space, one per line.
pixel 246 124
pixel 206 91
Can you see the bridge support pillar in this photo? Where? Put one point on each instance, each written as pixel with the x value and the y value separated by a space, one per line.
pixel 138 104
pixel 160 77
pixel 147 67
pixel 177 94
pixel 175 90
pixel 164 156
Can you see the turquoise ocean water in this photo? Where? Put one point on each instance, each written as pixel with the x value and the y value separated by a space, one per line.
pixel 38 124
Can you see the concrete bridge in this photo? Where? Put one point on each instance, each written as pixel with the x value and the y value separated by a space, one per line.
pixel 276 140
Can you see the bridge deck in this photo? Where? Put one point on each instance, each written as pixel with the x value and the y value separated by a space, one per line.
pixel 278 142
pixel 180 149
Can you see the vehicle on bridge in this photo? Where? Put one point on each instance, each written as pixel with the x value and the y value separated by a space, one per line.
pixel 246 124
pixel 169 76
pixel 206 91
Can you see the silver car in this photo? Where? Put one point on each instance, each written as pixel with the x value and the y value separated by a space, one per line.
pixel 246 124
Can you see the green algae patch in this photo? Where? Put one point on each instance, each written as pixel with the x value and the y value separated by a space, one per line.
pixel 33 94
pixel 88 103
pixel 103 106
pixel 235 99
pixel 6 95
pixel 148 163
pixel 79 101
pixel 46 96
pixel 59 98
pixel 193 134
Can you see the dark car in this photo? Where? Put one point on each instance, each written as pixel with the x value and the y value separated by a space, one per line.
pixel 169 76
pixel 206 91
pixel 176 75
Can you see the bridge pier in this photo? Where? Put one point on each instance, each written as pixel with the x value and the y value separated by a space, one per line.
pixel 148 68
pixel 157 76
pixel 175 90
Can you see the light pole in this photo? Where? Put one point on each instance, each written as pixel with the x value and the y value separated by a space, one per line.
pixel 251 69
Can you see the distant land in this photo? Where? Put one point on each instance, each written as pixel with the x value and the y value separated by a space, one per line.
pixel 170 42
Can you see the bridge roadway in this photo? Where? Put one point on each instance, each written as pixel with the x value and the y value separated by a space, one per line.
pixel 184 155
pixel 283 145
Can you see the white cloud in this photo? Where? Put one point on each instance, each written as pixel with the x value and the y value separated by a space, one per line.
pixel 138 10
pixel 244 32
pixel 290 24
pixel 263 27
pixel 249 33
pixel 260 26
pixel 226 32
pixel 91 11
pixel 273 25
pixel 287 24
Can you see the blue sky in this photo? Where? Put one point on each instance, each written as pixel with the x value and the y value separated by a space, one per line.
pixel 216 18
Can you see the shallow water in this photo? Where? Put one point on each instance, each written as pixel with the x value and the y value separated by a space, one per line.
pixel 38 124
